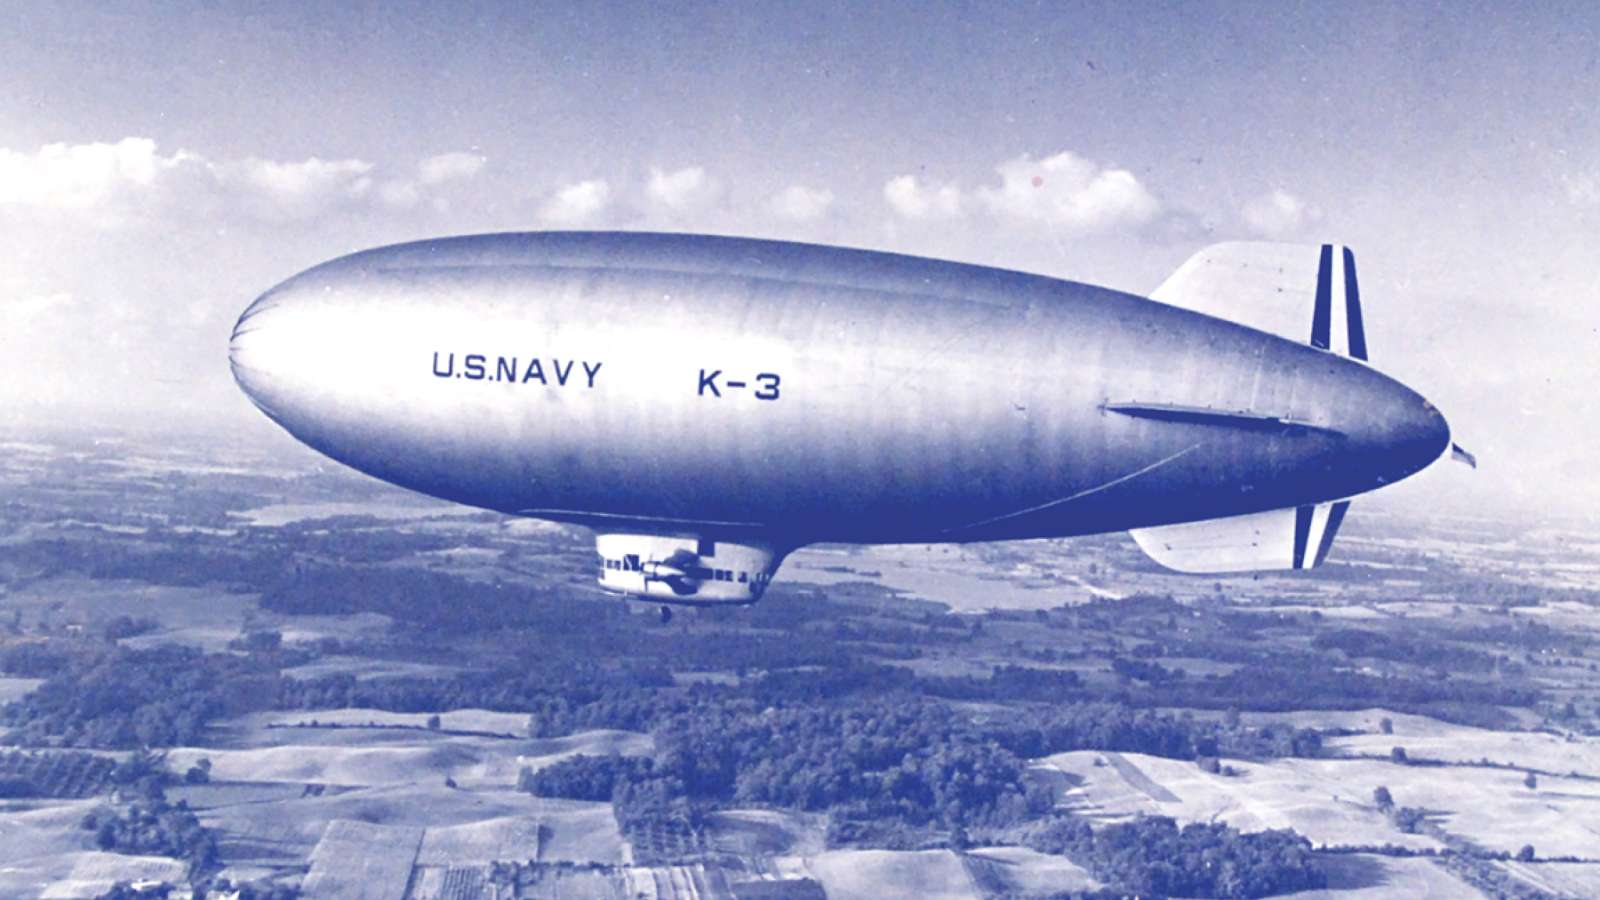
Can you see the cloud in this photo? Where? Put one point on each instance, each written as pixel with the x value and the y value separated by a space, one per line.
pixel 1070 192
pixel 112 184
pixel 798 203
pixel 1279 214
pixel 577 203
pixel 454 166
pixel 399 194
pixel 295 191
pixel 914 201
pixel 686 190
pixel 131 181
pixel 22 309
pixel 432 172
pixel 107 182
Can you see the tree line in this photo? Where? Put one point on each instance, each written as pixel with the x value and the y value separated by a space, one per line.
pixel 1153 856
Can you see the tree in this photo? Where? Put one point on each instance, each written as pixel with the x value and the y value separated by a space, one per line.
pixel 1383 798
pixel 433 722
pixel 1386 725
pixel 1398 754
pixel 152 725
pixel 199 773
pixel 1408 819
pixel 1153 856
pixel 1525 854
pixel 1531 781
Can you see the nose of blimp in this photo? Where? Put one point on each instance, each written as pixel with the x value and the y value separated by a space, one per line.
pixel 259 352
pixel 1392 431
pixel 334 362
pixel 288 354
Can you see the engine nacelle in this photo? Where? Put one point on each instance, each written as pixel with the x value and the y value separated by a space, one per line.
pixel 687 570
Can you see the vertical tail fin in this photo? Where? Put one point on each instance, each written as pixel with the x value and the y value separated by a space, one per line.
pixel 1303 292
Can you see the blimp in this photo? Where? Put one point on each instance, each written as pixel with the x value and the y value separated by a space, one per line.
pixel 708 404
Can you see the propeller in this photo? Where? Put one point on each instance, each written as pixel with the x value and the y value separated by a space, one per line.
pixel 673 572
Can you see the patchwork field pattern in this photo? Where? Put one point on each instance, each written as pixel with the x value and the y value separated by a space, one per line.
pixel 1330 801
pixel 362 861
pixel 95 873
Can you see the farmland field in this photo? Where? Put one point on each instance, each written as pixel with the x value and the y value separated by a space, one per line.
pixel 873 874
pixel 358 860
pixel 13 688
pixel 1426 738
pixel 59 774
pixel 40 830
pixel 1571 879
pixel 1330 809
pixel 1023 871
pixel 1363 876
pixel 511 837
pixel 205 617
pixel 766 832
pixel 1330 801
pixel 94 873
pixel 358 756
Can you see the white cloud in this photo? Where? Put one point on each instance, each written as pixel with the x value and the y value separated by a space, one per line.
pixel 914 201
pixel 1071 192
pixel 18 310
pixel 1279 214
pixel 106 182
pixel 452 166
pixel 685 190
pixel 798 203
pixel 110 185
pixel 577 203
pixel 399 194
pixel 295 191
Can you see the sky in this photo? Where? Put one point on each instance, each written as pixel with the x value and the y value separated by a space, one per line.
pixel 163 164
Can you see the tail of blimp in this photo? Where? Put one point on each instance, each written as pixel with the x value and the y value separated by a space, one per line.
pixel 1303 293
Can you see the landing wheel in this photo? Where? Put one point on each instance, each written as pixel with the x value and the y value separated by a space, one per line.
pixel 666 614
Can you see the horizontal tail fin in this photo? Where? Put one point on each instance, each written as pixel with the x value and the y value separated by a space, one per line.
pixel 1291 538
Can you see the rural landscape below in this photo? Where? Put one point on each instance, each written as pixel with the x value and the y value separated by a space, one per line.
pixel 240 670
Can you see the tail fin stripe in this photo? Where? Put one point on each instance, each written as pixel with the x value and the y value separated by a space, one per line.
pixel 1302 533
pixel 1338 324
pixel 1335 517
pixel 1322 312
pixel 1352 307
